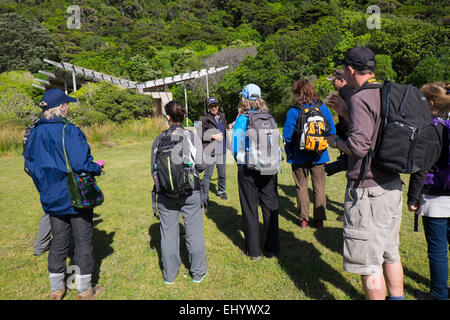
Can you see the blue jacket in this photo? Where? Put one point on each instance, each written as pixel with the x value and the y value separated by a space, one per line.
pixel 299 157
pixel 239 139
pixel 44 156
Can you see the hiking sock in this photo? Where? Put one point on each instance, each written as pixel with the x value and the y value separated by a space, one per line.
pixel 83 282
pixel 389 297
pixel 56 281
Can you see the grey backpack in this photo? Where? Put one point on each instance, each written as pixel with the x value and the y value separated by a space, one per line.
pixel 263 153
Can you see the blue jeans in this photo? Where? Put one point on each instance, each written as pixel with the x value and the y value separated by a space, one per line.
pixel 437 234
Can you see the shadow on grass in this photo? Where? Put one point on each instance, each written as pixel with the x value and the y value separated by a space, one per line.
pixel 300 259
pixel 155 244
pixel 102 242
pixel 291 210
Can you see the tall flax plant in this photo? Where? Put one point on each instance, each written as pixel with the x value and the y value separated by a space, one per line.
pixel 102 134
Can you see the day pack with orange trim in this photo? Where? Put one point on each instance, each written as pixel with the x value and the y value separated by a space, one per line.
pixel 311 130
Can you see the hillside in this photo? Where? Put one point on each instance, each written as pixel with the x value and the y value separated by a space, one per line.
pixel 271 43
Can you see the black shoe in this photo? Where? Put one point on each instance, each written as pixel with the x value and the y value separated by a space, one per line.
pixel 257 258
pixel 270 255
pixel 223 196
pixel 421 295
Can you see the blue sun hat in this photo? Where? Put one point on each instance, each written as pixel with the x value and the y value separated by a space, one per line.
pixel 251 92
pixel 55 97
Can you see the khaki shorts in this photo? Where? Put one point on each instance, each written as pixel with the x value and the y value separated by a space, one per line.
pixel 372 218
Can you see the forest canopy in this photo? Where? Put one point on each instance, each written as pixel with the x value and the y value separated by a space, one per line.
pixel 270 43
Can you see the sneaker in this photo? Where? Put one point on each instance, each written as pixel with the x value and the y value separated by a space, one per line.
pixel 168 282
pixel 223 196
pixel 303 224
pixel 421 295
pixel 198 278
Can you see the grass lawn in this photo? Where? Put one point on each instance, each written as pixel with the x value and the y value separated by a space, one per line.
pixel 127 241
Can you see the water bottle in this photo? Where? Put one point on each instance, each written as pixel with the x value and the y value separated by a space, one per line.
pixel 190 170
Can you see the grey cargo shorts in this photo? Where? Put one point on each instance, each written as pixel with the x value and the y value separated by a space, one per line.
pixel 372 218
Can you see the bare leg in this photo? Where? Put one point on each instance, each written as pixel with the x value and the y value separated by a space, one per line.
pixel 394 278
pixel 374 287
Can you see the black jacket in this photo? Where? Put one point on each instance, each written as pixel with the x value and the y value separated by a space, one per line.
pixel 209 128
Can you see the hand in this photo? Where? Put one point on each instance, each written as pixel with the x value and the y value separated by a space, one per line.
pixel 338 104
pixel 330 140
pixel 413 207
pixel 101 163
pixel 218 137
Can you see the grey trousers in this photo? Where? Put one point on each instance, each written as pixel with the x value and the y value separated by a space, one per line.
pixel 42 243
pixel 169 213
pixel 220 162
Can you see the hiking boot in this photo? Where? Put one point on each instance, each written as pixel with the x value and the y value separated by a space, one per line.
pixel 303 224
pixel 318 224
pixel 421 295
pixel 59 294
pixel 198 278
pixel 90 294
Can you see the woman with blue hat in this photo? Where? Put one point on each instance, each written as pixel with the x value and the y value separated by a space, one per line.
pixel 255 187
pixel 46 162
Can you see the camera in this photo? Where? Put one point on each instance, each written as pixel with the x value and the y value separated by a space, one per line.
pixel 337 166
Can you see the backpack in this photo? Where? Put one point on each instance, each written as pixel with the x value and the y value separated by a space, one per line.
pixel 408 141
pixel 264 152
pixel 174 171
pixel 26 137
pixel 310 131
pixel 440 174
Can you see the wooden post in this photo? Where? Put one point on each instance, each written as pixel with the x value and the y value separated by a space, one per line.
pixel 185 101
pixel 74 81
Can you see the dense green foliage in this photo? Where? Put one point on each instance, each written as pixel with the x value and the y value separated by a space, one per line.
pixel 144 40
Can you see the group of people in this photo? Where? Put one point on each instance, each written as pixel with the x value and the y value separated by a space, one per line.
pixel 372 204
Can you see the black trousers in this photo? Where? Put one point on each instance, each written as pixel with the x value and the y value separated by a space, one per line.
pixel 81 227
pixel 263 189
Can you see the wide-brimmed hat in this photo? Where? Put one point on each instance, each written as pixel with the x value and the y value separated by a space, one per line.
pixel 55 97
pixel 338 74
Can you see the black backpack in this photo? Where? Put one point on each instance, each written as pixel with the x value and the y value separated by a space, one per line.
pixel 407 140
pixel 174 171
pixel 310 131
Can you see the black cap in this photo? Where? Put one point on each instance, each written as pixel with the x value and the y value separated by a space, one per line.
pixel 211 100
pixel 360 58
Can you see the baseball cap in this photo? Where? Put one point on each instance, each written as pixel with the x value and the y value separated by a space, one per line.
pixel 360 58
pixel 338 74
pixel 251 92
pixel 211 100
pixel 56 97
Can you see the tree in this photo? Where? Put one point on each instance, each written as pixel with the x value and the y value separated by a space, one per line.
pixel 24 44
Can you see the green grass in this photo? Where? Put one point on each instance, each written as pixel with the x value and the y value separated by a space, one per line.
pixel 127 241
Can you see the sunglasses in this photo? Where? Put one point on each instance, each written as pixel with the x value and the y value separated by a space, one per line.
pixel 214 106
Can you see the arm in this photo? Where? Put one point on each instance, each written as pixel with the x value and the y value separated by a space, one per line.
pixel 416 182
pixel 79 152
pixel 329 117
pixel 288 130
pixel 240 127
